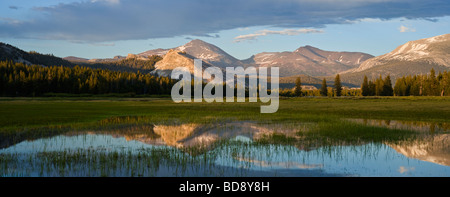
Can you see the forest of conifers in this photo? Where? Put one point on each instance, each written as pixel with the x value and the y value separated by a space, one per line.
pixel 18 79
pixel 416 85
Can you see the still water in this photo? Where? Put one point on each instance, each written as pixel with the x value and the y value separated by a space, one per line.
pixel 229 149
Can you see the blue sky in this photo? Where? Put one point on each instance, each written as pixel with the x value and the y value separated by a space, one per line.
pixel 105 28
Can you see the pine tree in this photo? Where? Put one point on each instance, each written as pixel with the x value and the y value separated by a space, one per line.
pixel 444 83
pixel 387 87
pixel 298 87
pixel 400 87
pixel 372 88
pixel 365 91
pixel 433 84
pixel 379 87
pixel 324 88
pixel 337 85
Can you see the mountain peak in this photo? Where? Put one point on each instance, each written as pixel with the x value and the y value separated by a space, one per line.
pixel 432 50
pixel 412 58
pixel 307 48
pixel 310 60
pixel 197 41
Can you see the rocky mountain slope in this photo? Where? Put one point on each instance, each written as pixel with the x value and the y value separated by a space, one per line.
pixel 11 53
pixel 173 59
pixel 305 60
pixel 414 57
pixel 310 61
pixel 199 49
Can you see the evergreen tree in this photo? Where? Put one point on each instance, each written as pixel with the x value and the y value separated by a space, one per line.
pixel 372 88
pixel 298 87
pixel 433 84
pixel 324 88
pixel 337 85
pixel 387 87
pixel 444 83
pixel 415 86
pixel 365 91
pixel 400 87
pixel 379 86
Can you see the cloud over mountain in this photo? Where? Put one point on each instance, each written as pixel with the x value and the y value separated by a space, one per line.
pixel 265 32
pixel 111 20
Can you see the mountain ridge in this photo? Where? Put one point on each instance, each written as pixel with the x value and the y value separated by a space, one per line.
pixel 304 60
pixel 309 60
pixel 412 58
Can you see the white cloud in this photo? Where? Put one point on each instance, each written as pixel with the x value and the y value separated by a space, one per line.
pixel 404 29
pixel 103 44
pixel 107 1
pixel 113 20
pixel 10 21
pixel 265 32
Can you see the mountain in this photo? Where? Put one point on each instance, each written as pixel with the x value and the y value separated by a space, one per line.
pixel 8 52
pixel 183 56
pixel 305 60
pixel 210 53
pixel 75 59
pixel 131 63
pixel 199 49
pixel 159 52
pixel 305 79
pixel 104 60
pixel 173 59
pixel 309 60
pixel 414 57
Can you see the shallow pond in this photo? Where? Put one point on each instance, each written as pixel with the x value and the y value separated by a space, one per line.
pixel 228 149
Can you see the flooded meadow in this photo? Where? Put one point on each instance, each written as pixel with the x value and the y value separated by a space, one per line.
pixel 229 148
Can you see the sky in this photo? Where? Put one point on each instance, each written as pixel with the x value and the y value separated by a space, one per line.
pixel 106 28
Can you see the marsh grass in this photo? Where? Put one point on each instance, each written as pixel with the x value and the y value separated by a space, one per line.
pixel 347 133
pixel 19 113
pixel 147 162
pixel 321 123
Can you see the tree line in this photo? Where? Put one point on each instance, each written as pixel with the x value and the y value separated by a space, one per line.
pixel 417 85
pixel 378 87
pixel 424 85
pixel 336 91
pixel 411 85
pixel 18 79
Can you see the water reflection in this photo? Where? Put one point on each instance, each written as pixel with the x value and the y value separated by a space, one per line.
pixel 225 149
pixel 420 126
pixel 435 149
pixel 178 135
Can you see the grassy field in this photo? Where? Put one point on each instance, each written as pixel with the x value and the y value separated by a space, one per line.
pixel 36 112
pixel 326 128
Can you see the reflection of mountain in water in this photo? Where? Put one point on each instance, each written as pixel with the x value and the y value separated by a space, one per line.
pixel 190 135
pixel 406 125
pixel 182 135
pixel 435 149
pixel 431 148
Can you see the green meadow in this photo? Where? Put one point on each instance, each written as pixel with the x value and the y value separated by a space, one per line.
pixel 36 112
pixel 302 131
